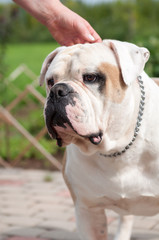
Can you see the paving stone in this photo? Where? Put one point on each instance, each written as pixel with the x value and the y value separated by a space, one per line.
pixel 47 198
pixel 51 223
pixel 56 206
pixel 56 214
pixel 2 237
pixel 22 211
pixel 26 232
pixel 40 188
pixel 21 221
pixel 61 235
pixel 145 235
pixel 9 203
pixel 28 202
pixel 3 227
pixel 9 175
pixel 10 190
pixel 24 238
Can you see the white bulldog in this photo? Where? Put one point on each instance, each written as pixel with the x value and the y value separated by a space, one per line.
pixel 101 103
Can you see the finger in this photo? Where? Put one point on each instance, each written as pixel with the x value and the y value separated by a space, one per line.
pixel 91 35
pixel 94 34
pixel 82 32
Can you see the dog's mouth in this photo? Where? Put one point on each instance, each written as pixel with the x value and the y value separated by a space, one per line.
pixel 59 126
pixel 94 138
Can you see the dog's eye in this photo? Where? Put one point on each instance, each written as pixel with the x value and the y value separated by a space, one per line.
pixel 50 82
pixel 89 78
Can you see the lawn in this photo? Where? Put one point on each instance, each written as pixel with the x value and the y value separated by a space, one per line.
pixel 29 112
pixel 31 54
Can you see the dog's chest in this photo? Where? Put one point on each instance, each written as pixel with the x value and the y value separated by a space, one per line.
pixel 122 188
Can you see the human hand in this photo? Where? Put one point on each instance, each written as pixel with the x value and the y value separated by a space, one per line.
pixel 68 28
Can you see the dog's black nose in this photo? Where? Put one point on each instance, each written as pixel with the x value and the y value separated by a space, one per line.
pixel 60 90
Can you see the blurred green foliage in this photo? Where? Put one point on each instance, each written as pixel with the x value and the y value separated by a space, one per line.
pixel 132 20
pixel 28 112
pixel 24 40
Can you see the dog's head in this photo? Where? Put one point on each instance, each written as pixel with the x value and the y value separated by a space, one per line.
pixel 82 81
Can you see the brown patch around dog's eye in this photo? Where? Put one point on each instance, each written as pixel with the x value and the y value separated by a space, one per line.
pixel 114 87
pixel 95 78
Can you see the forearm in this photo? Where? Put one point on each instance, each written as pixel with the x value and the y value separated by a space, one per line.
pixel 45 11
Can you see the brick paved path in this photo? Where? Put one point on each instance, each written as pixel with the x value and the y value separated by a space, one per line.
pixel 36 205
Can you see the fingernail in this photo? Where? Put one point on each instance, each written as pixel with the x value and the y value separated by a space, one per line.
pixel 91 37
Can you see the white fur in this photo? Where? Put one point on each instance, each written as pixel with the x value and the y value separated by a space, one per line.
pixel 127 184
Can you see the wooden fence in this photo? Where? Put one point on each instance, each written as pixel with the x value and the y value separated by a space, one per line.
pixel 7 117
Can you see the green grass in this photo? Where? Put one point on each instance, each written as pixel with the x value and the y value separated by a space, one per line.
pixel 29 112
pixel 31 54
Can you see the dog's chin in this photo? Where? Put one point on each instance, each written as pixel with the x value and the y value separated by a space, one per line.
pixel 61 129
pixel 66 135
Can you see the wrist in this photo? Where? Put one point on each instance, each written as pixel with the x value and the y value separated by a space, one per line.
pixel 53 13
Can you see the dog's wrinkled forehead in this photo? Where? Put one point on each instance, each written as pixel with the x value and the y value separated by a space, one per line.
pixel 87 58
pixel 79 59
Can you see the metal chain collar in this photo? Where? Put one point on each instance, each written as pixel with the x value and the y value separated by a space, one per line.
pixel 138 123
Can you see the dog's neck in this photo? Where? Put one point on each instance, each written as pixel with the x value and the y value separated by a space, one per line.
pixel 138 122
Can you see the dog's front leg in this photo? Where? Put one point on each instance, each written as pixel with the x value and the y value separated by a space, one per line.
pixel 124 228
pixel 91 223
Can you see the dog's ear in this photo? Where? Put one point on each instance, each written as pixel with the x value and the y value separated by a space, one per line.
pixel 131 58
pixel 46 64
